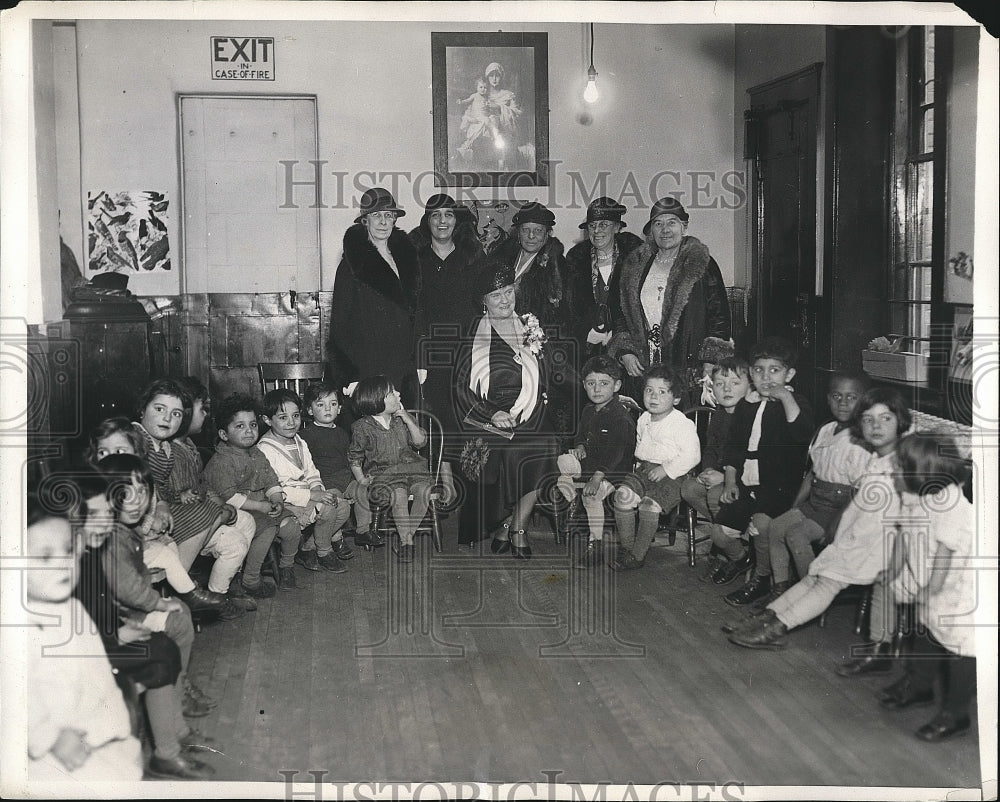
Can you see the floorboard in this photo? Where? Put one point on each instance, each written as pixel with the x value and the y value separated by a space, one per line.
pixel 466 666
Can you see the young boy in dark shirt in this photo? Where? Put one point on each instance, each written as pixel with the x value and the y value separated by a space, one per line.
pixel 603 451
pixel 768 462
pixel 328 444
pixel 243 477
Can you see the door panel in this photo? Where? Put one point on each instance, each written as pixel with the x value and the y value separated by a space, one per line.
pixel 236 236
pixel 784 114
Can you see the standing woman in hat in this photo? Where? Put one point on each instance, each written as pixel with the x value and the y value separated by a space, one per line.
pixel 447 251
pixel 593 270
pixel 501 395
pixel 672 297
pixel 375 299
pixel 538 263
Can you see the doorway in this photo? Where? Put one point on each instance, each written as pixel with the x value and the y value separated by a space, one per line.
pixel 781 137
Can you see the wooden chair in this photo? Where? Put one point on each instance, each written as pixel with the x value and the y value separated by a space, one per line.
pixel 702 417
pixel 294 376
pixel 441 483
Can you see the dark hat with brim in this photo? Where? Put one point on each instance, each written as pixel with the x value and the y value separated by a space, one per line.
pixel 442 201
pixel 534 212
pixel 604 209
pixel 495 276
pixel 378 200
pixel 666 205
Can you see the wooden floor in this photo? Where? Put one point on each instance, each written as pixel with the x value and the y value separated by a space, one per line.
pixel 463 667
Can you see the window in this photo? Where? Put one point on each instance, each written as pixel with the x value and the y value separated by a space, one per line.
pixel 915 289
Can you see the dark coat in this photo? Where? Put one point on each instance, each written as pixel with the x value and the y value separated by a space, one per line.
pixel 448 291
pixel 695 306
pixel 373 325
pixel 541 290
pixel 781 453
pixel 582 308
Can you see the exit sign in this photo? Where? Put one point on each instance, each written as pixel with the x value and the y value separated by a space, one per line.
pixel 242 58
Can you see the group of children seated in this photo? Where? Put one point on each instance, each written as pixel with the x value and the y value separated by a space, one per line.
pixel 141 512
pixel 858 501
pixel 862 500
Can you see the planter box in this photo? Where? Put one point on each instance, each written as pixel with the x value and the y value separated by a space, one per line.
pixel 902 366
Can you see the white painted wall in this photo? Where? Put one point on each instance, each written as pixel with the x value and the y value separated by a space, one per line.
pixel 666 105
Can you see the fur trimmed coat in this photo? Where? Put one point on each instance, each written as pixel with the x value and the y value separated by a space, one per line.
pixel 695 306
pixel 375 313
pixel 541 290
pixel 583 311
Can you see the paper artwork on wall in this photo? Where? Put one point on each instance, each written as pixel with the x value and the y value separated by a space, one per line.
pixel 127 232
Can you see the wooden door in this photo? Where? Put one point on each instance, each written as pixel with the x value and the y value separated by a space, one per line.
pixel 782 145
pixel 239 234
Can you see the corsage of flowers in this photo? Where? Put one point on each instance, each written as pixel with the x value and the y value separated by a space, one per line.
pixel 475 453
pixel 534 336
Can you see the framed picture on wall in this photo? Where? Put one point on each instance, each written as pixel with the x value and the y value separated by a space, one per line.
pixel 491 109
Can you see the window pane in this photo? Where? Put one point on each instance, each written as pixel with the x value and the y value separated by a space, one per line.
pixel 901 284
pixel 927 131
pixel 929 66
pixel 925 284
pixel 920 189
pixel 899 319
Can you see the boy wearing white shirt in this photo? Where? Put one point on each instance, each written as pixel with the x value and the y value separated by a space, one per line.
pixel 667 447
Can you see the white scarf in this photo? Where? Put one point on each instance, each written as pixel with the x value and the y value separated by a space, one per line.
pixel 479 379
pixel 751 467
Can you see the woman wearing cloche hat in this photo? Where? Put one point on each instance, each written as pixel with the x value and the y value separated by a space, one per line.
pixel 376 298
pixel 593 268
pixel 537 259
pixel 672 296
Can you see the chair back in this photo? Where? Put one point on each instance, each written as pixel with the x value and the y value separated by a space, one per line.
pixel 435 440
pixel 701 417
pixel 294 376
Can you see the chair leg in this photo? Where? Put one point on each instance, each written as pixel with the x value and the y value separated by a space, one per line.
pixel 863 612
pixel 561 515
pixel 435 525
pixel 691 541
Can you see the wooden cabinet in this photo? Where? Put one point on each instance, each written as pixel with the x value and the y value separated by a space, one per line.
pixel 98 365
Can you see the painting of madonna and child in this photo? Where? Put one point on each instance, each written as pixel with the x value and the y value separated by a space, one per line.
pixel 485 105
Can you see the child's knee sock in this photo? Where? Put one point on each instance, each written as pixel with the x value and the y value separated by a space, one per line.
pixel 728 541
pixel 762 547
pixel 178 578
pixel 323 531
pixel 289 535
pixel 259 547
pixel 625 523
pixel 594 508
pixel 801 550
pixel 401 517
pixel 649 519
pixel 340 515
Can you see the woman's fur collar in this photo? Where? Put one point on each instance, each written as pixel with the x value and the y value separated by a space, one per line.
pixel 692 262
pixel 371 269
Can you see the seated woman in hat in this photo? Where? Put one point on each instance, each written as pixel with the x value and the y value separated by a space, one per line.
pixel 509 449
pixel 672 297
pixel 375 299
pixel 593 269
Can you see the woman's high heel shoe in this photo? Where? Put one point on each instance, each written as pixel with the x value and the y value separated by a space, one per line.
pixel 498 546
pixel 521 552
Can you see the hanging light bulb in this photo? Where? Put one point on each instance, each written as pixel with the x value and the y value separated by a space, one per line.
pixel 590 94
